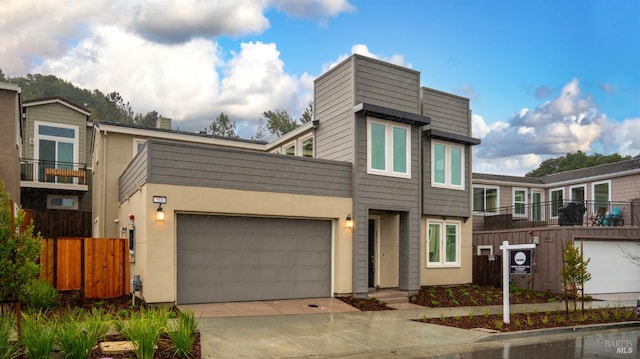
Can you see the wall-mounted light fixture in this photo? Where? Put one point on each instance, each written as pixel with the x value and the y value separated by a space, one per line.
pixel 160 200
pixel 349 221
pixel 160 213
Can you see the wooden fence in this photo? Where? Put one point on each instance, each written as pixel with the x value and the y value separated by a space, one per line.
pixel 56 223
pixel 98 267
pixel 487 272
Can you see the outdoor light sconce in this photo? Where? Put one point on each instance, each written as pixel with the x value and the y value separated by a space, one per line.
pixel 160 200
pixel 349 221
pixel 160 214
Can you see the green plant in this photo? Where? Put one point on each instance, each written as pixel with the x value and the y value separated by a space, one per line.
pixel 627 314
pixel 545 319
pixel 517 324
pixel 181 333
pixel 39 295
pixel 529 321
pixel 413 299
pixel 605 314
pixel 471 314
pixel 485 313
pixel 38 336
pixel 558 318
pixel 617 313
pixel 435 303
pixel 455 303
pixel 143 329
pixel 19 250
pixel 574 273
pixel 78 333
pixel 8 349
pixel 442 317
pixel 499 324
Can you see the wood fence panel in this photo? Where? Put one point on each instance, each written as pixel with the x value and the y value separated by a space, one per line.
pixel 486 272
pixel 47 261
pixel 68 264
pixel 106 268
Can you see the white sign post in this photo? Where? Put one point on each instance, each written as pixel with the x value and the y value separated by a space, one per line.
pixel 506 259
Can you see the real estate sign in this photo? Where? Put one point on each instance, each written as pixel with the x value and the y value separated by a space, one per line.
pixel 521 261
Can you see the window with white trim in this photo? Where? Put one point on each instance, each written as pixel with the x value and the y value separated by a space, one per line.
pixel 601 193
pixel 520 202
pixel 578 193
pixel 55 146
pixel 290 149
pixel 443 243
pixel 388 148
pixel 485 199
pixel 557 201
pixel 306 146
pixel 447 165
pixel 138 143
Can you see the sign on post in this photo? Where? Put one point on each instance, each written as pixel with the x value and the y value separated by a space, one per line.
pixel 521 261
pixel 507 259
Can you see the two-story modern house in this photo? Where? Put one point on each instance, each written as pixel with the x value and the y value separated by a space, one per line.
pixel 10 139
pixel 55 176
pixel 374 193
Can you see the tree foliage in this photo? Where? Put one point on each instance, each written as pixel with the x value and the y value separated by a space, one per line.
pixel 261 131
pixel 572 161
pixel 105 107
pixel 574 271
pixel 19 250
pixel 223 126
pixel 280 122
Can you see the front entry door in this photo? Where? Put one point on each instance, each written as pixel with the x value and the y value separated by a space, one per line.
pixel 372 254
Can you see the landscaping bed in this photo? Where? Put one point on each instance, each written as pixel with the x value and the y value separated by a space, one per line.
pixel 366 304
pixel 474 295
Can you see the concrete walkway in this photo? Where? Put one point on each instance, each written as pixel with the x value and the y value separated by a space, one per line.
pixel 340 333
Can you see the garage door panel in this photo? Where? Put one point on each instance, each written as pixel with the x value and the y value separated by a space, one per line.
pixel 611 271
pixel 225 258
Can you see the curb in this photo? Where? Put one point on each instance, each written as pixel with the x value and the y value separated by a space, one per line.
pixel 559 330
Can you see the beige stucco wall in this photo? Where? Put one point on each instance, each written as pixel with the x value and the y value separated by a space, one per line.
pixel 448 275
pixel 155 253
pixel 10 142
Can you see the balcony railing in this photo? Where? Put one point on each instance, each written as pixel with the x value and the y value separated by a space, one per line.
pixel 566 213
pixel 53 172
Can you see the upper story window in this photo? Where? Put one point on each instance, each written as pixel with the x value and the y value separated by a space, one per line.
pixel 578 193
pixel 388 148
pixel 601 194
pixel 290 149
pixel 138 143
pixel 557 201
pixel 56 144
pixel 520 202
pixel 485 199
pixel 306 146
pixel 447 165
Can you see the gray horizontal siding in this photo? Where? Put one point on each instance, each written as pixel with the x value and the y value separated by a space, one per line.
pixel 386 85
pixel 218 167
pixel 443 201
pixel 134 175
pixel 334 110
pixel 448 112
pixel 374 192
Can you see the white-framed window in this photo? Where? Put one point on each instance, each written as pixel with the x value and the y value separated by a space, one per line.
pixel 537 208
pixel 306 146
pixel 388 148
pixel 62 202
pixel 484 250
pixel 601 194
pixel 443 243
pixel 289 149
pixel 520 202
pixel 447 165
pixel 557 201
pixel 578 193
pixel 485 199
pixel 138 143
pixel 55 146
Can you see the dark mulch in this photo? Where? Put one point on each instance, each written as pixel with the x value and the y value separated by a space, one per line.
pixel 165 349
pixel 365 304
pixel 528 321
pixel 473 295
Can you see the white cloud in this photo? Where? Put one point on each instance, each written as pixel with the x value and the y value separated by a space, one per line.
pixel 362 49
pixel 313 9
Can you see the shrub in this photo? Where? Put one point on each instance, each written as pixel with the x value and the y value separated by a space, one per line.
pixel 8 349
pixel 38 336
pixel 499 324
pixel 39 295
pixel 143 329
pixel 78 333
pixel 181 333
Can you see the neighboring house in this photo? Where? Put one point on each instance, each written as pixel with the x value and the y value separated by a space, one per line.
pixel 10 139
pixel 55 175
pixel 579 205
pixel 375 192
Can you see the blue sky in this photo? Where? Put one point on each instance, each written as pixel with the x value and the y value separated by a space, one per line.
pixel 544 78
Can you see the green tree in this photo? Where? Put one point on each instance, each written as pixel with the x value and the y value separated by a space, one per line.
pixel 148 121
pixel 572 161
pixel 223 126
pixel 261 131
pixel 307 115
pixel 280 122
pixel 19 250
pixel 574 273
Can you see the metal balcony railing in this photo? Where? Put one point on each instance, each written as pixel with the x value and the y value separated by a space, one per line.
pixel 53 172
pixel 565 213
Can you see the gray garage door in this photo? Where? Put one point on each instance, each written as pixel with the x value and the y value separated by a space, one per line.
pixel 226 258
